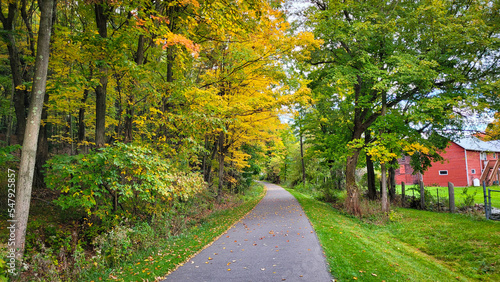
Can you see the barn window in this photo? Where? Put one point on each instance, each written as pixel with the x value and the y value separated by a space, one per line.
pixel 443 172
pixel 473 171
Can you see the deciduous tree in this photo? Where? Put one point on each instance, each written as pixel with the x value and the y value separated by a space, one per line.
pixel 406 51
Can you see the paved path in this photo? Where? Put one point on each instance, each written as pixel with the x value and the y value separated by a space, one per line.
pixel 274 242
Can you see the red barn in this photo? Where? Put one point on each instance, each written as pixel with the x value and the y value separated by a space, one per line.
pixel 467 162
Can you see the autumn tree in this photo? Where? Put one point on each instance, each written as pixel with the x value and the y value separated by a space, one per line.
pixel 19 53
pixel 28 155
pixel 493 129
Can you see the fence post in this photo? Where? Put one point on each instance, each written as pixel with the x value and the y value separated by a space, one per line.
pixel 489 203
pixel 437 192
pixel 403 194
pixel 485 201
pixel 451 196
pixel 422 197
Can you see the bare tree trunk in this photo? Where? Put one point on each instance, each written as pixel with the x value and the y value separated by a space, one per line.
pixel 101 89
pixel 28 155
pixel 42 152
pixel 81 119
pixel 392 181
pixel 383 188
pixel 9 119
pixel 385 202
pixel 16 66
pixel 352 199
pixel 221 165
pixel 208 158
pixel 372 191
pixel 129 109
pixel 302 161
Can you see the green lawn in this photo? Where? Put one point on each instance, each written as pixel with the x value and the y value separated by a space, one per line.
pixel 413 246
pixel 459 196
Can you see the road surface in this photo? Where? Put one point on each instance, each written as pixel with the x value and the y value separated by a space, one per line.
pixel 274 242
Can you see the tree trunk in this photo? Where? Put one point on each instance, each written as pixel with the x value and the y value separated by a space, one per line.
pixel 28 155
pixel 207 162
pixel 370 171
pixel 403 194
pixel 42 152
pixel 422 194
pixel 392 181
pixel 385 202
pixel 16 66
pixel 81 119
pixel 352 199
pixel 302 161
pixel 101 90
pixel 221 166
pixel 129 109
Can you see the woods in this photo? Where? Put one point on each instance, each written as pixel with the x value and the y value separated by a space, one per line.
pixel 397 79
pixel 129 117
pixel 143 107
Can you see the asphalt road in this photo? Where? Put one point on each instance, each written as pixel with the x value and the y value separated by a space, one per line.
pixel 274 242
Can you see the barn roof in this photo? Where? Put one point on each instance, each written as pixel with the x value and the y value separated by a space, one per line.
pixel 474 144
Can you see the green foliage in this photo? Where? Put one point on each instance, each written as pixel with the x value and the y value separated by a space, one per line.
pixel 7 158
pixel 115 245
pixel 397 70
pixel 395 216
pixel 162 254
pixel 414 245
pixel 125 178
pixel 468 198
pixel 3 271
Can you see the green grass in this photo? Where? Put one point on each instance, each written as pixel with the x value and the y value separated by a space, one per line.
pixel 156 263
pixel 459 196
pixel 414 246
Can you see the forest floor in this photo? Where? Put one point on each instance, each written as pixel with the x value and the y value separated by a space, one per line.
pixel 151 264
pixel 275 242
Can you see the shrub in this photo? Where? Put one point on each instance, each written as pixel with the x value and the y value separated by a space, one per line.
pixel 123 180
pixel 7 157
pixel 468 198
pixel 115 245
pixel 3 270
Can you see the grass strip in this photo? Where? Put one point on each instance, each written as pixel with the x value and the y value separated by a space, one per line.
pixel 467 244
pixel 414 247
pixel 459 195
pixel 154 264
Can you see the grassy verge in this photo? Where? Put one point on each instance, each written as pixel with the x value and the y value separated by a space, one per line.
pixel 154 264
pixel 412 245
pixel 459 195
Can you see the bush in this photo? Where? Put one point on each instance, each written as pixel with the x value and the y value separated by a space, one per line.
pixel 115 245
pixel 468 198
pixel 123 180
pixel 7 157
pixel 3 270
